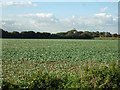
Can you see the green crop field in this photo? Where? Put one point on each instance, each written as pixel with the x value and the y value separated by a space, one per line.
pixel 23 58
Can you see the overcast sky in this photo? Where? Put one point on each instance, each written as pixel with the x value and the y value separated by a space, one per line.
pixel 60 16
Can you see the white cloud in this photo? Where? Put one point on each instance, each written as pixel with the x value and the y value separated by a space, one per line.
pixel 13 25
pixel 38 15
pixel 100 14
pixel 103 15
pixel 8 21
pixel 103 9
pixel 35 23
pixel 49 23
pixel 41 19
pixel 73 16
pixel 115 19
pixel 106 19
pixel 19 4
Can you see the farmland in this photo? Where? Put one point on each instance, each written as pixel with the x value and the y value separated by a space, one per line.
pixel 24 58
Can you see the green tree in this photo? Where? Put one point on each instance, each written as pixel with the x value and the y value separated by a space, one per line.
pixel 114 35
pixel 86 35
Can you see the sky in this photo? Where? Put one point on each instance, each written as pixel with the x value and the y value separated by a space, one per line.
pixel 61 0
pixel 59 16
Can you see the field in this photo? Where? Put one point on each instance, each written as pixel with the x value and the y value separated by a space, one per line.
pixel 24 58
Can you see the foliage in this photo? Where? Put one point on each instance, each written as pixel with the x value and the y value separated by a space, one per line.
pixel 107 38
pixel 36 63
pixel 95 77
pixel 72 34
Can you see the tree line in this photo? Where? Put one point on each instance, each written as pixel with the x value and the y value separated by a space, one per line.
pixel 72 34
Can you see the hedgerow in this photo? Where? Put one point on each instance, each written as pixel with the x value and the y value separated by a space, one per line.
pixel 99 76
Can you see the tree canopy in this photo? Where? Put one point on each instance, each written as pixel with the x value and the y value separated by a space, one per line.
pixel 72 34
